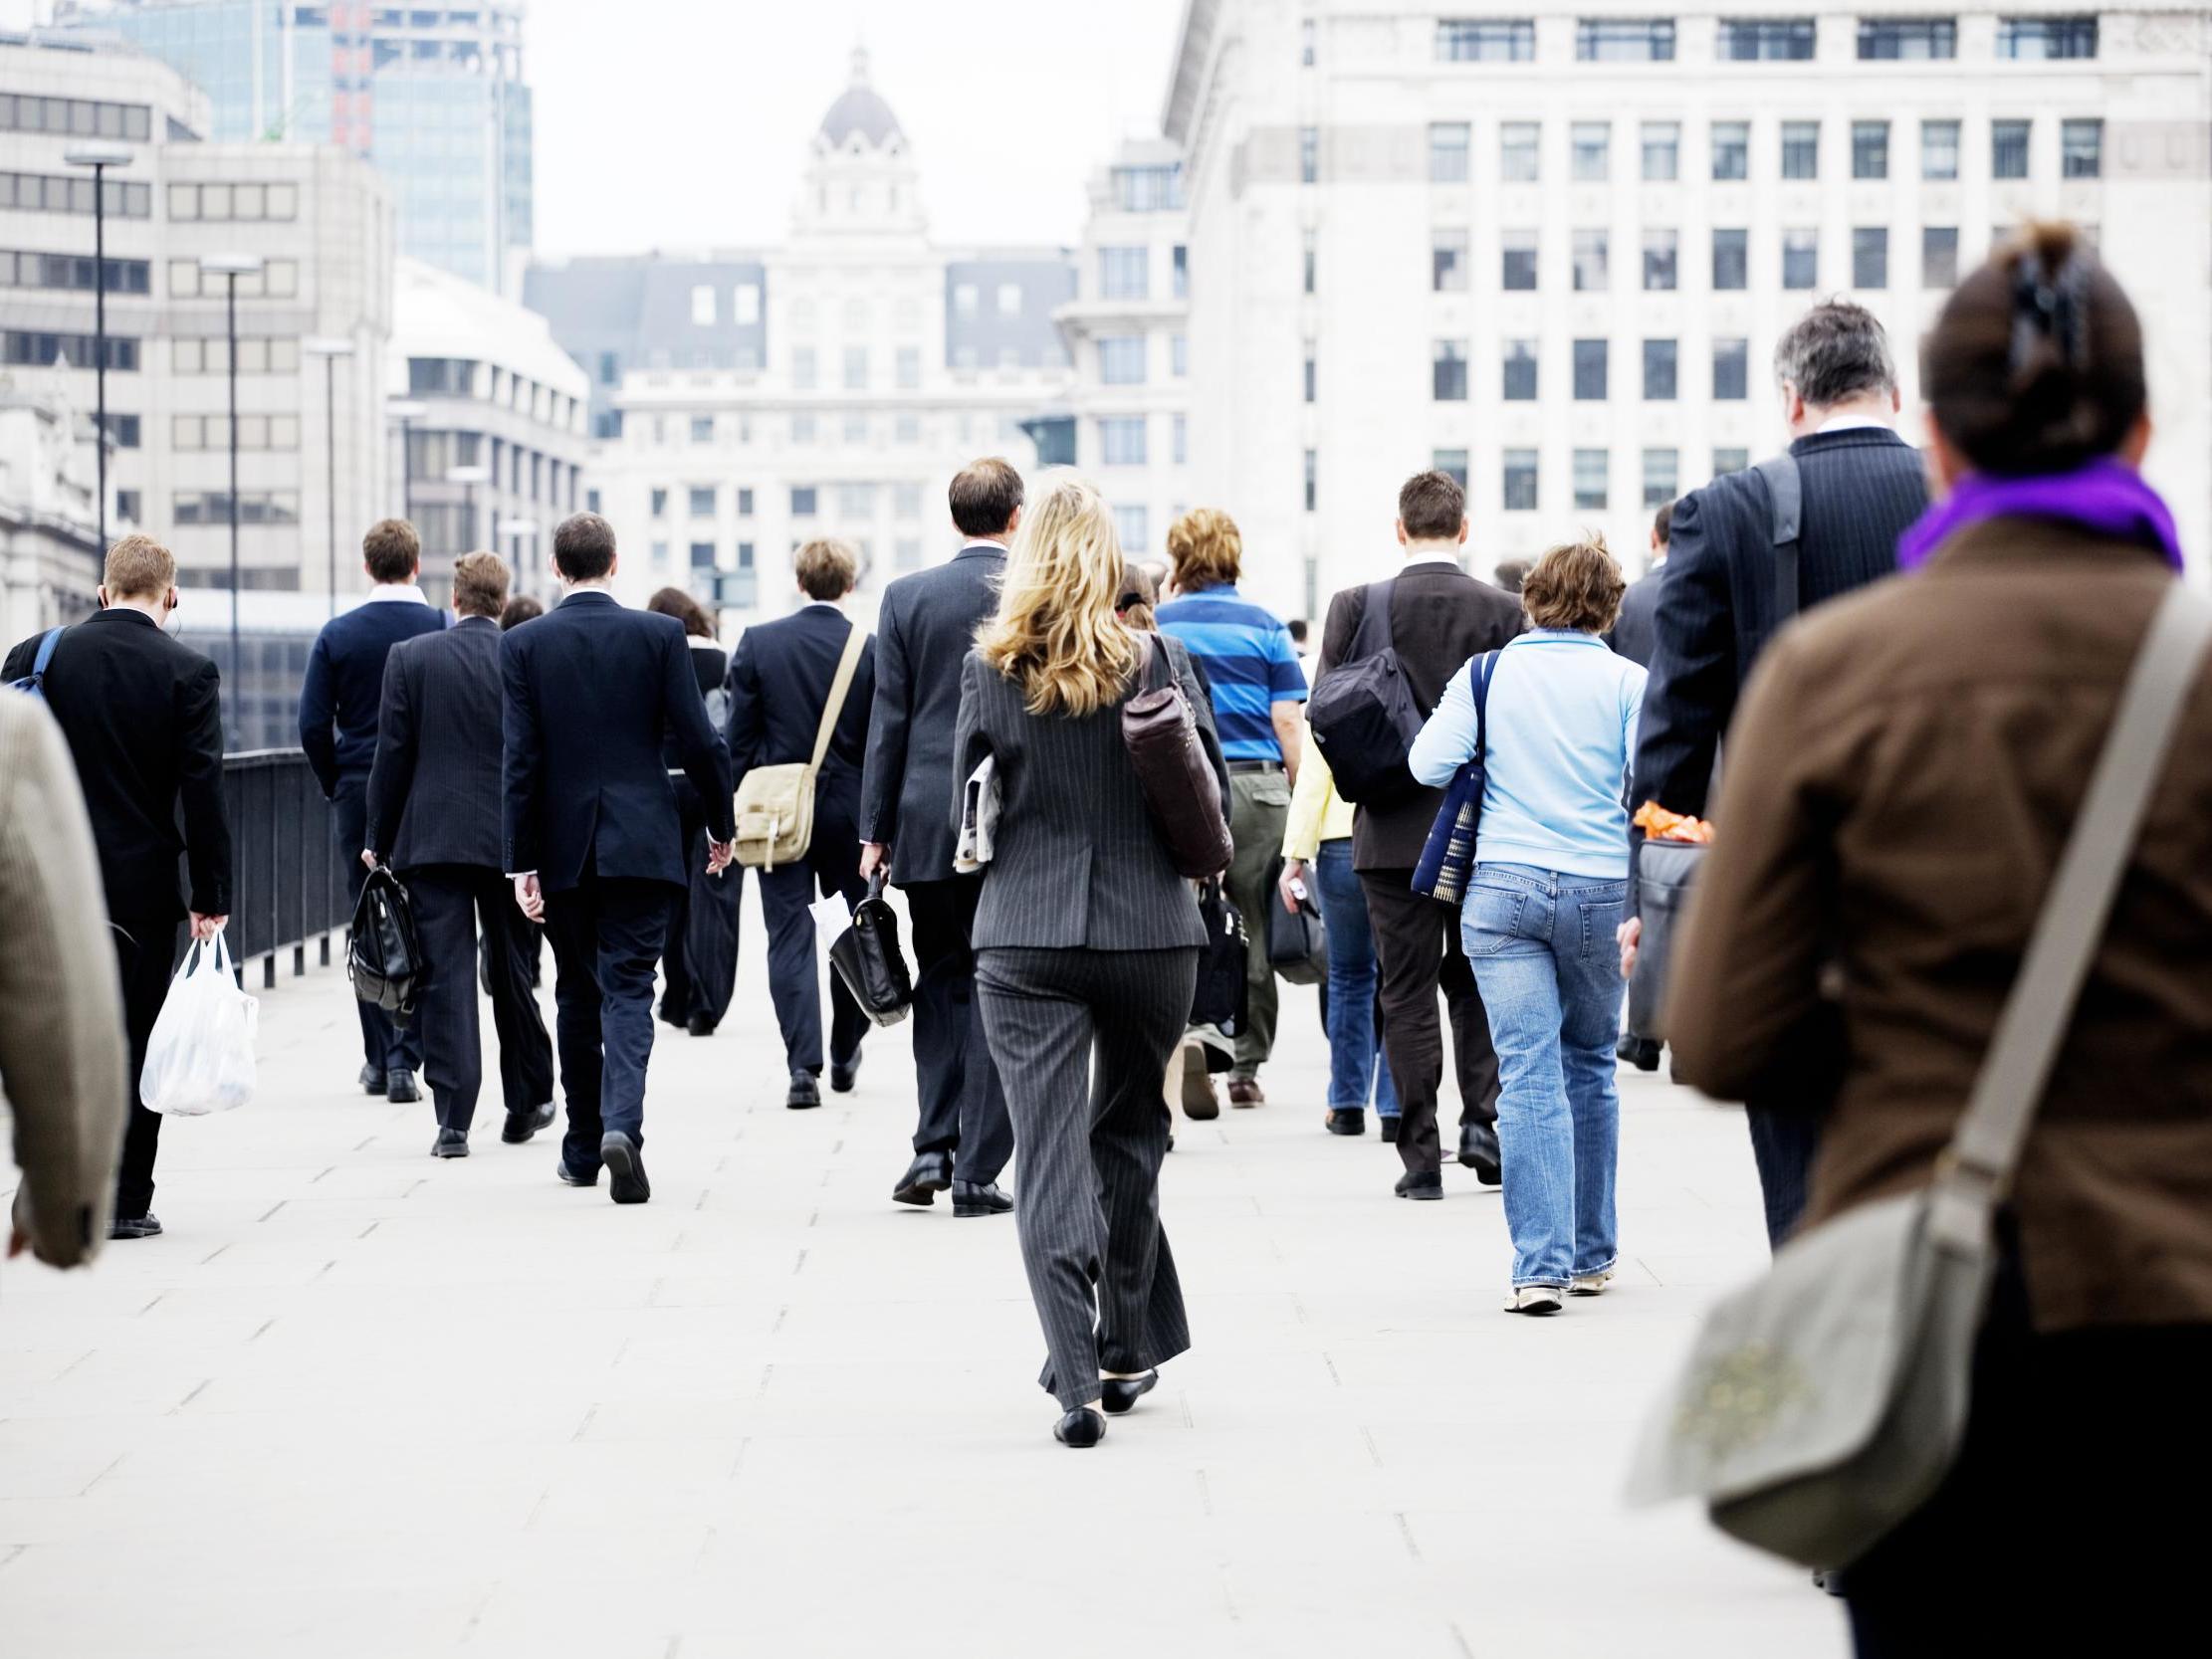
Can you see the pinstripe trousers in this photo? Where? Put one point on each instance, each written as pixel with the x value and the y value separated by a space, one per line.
pixel 1089 1140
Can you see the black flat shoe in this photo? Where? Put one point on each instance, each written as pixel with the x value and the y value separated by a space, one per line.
pixel 929 1174
pixel 1350 1122
pixel 521 1126
pixel 804 1094
pixel 1478 1152
pixel 1390 1129
pixel 700 1025
pixel 373 1079
pixel 1119 1393
pixel 1080 1428
pixel 1429 1185
pixel 1640 1052
pixel 451 1143
pixel 843 1077
pixel 981 1199
pixel 137 1226
pixel 626 1180
pixel 569 1177
pixel 399 1087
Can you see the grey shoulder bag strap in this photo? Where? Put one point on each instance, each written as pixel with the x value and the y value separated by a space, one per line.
pixel 1785 518
pixel 1825 1402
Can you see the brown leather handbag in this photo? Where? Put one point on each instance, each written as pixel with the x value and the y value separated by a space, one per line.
pixel 1161 731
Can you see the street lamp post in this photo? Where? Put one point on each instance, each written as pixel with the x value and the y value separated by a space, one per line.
pixel 406 411
pixel 99 158
pixel 231 267
pixel 329 349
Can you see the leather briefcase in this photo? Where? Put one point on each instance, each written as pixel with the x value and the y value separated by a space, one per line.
pixel 1161 731
pixel 867 959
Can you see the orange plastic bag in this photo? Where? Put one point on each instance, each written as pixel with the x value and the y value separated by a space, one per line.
pixel 1662 825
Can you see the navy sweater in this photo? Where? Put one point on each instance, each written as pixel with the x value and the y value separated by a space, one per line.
pixel 344 687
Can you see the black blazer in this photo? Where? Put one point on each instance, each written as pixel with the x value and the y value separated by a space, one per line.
pixel 434 790
pixel 341 694
pixel 1439 616
pixel 710 666
pixel 143 718
pixel 778 685
pixel 1077 864
pixel 592 692
pixel 1717 602
pixel 1632 634
pixel 924 632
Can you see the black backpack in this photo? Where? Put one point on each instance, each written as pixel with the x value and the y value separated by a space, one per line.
pixel 1364 715
pixel 384 957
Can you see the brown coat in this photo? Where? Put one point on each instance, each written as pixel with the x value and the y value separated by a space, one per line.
pixel 1904 770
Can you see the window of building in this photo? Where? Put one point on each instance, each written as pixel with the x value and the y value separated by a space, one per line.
pixel 659 502
pixel 1908 39
pixel 1589 262
pixel 1309 155
pixel 1149 189
pixel 1939 255
pixel 802 368
pixel 856 502
pixel 1121 361
pixel 65 193
pixel 1452 463
pixel 1732 150
pixel 857 368
pixel 255 507
pixel 1518 252
pixel 1448 260
pixel 1624 40
pixel 1870 150
pixel 1009 298
pixel 1306 46
pixel 1309 248
pixel 610 368
pixel 1591 145
pixel 1939 150
pixel 1662 474
pixel 1661 256
pixel 1520 371
pixel 1521 479
pixel 660 554
pixel 1121 441
pixel 1518 152
pixel 1662 144
pixel 2008 149
pixel 75 117
pixel 193 357
pixel 1179 263
pixel 855 430
pixel 1484 39
pixel 1124 273
pixel 1313 373
pixel 1801 150
pixel 1448 373
pixel 966 299
pixel 703 306
pixel 1726 461
pixel 1447 152
pixel 909 368
pixel 1659 363
pixel 129 507
pixel 744 503
pixel 805 501
pixel 744 303
pixel 802 429
pixel 701 504
pixel 1870 256
pixel 1801 257
pixel 1179 355
pixel 1731 371
pixel 75 271
pixel 1590 371
pixel 1747 40
pixel 1590 479
pixel 701 429
pixel 1179 434
pixel 701 556
pixel 2082 149
pixel 2045 37
pixel 1313 479
pixel 1731 260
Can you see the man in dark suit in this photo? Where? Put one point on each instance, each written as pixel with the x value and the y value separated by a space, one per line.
pixel 1632 634
pixel 1861 485
pixel 434 815
pixel 593 842
pixel 1440 617
pixel 143 718
pixel 339 704
pixel 781 679
pixel 923 634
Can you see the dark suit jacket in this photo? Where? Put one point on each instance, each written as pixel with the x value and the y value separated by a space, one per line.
pixel 924 632
pixel 1716 603
pixel 1633 634
pixel 345 684
pixel 592 692
pixel 1439 616
pixel 434 791
pixel 778 685
pixel 1077 865
pixel 143 718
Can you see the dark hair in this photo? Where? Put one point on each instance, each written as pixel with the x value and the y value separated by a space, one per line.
pixel 675 602
pixel 479 584
pixel 391 549
pixel 2035 364
pixel 520 609
pixel 1432 507
pixel 1511 573
pixel 986 494
pixel 583 548
pixel 1836 351
pixel 1138 598
pixel 1663 522
pixel 1297 627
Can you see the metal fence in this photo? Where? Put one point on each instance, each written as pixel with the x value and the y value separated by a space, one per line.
pixel 288 881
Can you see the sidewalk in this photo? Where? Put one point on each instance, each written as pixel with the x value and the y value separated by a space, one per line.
pixel 365 1404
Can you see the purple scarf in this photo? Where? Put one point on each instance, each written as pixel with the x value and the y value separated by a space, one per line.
pixel 2104 496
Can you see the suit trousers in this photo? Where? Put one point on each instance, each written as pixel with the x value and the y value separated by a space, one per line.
pixel 607 935
pixel 385 1047
pixel 1260 807
pixel 1417 950
pixel 450 900
pixel 963 1104
pixel 699 971
pixel 794 984
pixel 1783 1142
pixel 146 950
pixel 1091 1138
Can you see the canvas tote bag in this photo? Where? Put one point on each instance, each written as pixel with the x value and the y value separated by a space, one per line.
pixel 1823 1404
pixel 776 804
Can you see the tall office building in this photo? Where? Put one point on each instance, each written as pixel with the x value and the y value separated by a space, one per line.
pixel 1551 251
pixel 434 97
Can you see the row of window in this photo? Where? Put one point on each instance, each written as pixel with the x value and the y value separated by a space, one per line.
pixel 907 368
pixel 1662 264
pixel 72 193
pixel 744 304
pixel 75 272
pixel 75 117
pixel 1592 378
pixel 1149 189
pixel 278 279
pixel 246 203
pixel 1126 272
pixel 1591 472
pixel 1658 144
pixel 1124 441
pixel 255 507
pixel 255 432
pixel 1124 359
pixel 255 356
pixel 1512 40
pixel 39 349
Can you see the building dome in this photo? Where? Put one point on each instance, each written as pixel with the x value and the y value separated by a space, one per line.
pixel 861 109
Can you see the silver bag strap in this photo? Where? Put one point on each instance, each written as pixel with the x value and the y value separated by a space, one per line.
pixel 1986 1147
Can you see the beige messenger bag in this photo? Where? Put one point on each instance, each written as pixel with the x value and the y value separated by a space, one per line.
pixel 776 804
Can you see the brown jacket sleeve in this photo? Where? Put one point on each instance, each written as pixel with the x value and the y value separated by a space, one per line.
pixel 62 1045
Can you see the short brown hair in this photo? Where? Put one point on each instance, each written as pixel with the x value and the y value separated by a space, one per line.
pixel 480 584
pixel 1663 522
pixel 1432 507
pixel 584 546
pixel 826 568
pixel 986 494
pixel 519 610
pixel 675 602
pixel 392 551
pixel 1575 585
pixel 1207 546
pixel 139 567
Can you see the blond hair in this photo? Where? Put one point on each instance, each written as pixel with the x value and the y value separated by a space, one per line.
pixel 139 567
pixel 826 568
pixel 1575 585
pixel 1208 548
pixel 1055 634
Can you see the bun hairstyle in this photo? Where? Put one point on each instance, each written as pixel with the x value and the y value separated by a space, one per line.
pixel 2035 364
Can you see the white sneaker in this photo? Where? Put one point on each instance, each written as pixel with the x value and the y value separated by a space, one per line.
pixel 1534 1299
pixel 1590 1284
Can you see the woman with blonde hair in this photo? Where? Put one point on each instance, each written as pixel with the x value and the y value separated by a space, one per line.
pixel 1086 941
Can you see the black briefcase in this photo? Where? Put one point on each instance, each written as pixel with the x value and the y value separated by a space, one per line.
pixel 383 956
pixel 867 959
pixel 1297 943
pixel 1666 871
pixel 1223 994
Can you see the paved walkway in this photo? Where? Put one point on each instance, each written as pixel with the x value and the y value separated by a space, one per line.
pixel 358 1402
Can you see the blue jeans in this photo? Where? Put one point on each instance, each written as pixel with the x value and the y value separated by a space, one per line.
pixel 1542 946
pixel 1356 1061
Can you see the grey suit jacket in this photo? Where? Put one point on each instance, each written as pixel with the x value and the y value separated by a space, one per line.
pixel 434 791
pixel 924 632
pixel 1077 862
pixel 1632 634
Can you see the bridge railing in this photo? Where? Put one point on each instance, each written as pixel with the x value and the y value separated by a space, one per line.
pixel 287 876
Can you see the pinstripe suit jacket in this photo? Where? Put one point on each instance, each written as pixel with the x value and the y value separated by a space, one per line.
pixel 1717 597
pixel 1077 864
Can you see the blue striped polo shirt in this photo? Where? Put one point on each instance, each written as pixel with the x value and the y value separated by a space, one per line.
pixel 1249 662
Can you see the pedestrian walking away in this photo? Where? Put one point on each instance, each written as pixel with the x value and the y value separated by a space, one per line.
pixel 699 967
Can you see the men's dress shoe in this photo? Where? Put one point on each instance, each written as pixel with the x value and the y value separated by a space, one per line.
pixel 1641 1052
pixel 1119 1393
pixel 842 1076
pixel 701 1025
pixel 804 1094
pixel 134 1227
pixel 626 1180
pixel 1426 1184
pixel 1535 1299
pixel 451 1143
pixel 1478 1152
pixel 399 1087
pixel 1080 1428
pixel 569 1177
pixel 373 1080
pixel 521 1126
pixel 1352 1121
pixel 929 1174
pixel 981 1199
pixel 1245 1091
pixel 1390 1129
pixel 1199 1101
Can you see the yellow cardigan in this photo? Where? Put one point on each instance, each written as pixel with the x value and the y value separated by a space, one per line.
pixel 1318 812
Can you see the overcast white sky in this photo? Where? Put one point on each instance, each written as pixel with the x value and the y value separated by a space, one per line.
pixel 682 124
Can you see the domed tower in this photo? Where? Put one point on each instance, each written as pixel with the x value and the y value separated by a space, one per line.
pixel 860 176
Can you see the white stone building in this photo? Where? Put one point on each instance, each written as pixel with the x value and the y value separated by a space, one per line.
pixel 1552 247
pixel 50 558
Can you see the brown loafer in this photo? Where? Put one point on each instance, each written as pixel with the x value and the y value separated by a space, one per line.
pixel 1245 1091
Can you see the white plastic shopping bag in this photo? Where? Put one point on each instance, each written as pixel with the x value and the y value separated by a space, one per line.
pixel 200 1058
